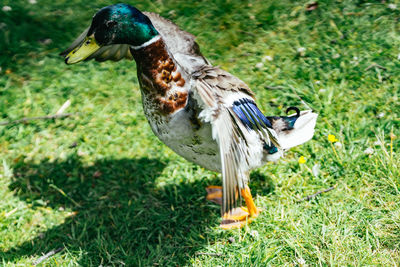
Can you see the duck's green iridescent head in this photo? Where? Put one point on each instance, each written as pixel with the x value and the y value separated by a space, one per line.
pixel 121 24
pixel 115 24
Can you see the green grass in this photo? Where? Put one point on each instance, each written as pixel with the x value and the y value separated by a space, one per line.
pixel 122 197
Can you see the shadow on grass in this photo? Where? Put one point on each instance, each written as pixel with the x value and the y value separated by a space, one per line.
pixel 260 183
pixel 25 32
pixel 119 215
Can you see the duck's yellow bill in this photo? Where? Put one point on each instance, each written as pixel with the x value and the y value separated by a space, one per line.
pixel 87 48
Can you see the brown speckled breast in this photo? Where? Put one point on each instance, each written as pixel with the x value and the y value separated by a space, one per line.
pixel 159 78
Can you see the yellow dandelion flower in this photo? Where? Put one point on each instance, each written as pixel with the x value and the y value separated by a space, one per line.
pixel 332 138
pixel 302 160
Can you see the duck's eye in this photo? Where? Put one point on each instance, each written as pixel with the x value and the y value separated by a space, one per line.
pixel 110 23
pixel 87 42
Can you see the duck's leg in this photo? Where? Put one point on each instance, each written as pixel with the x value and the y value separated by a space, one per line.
pixel 214 194
pixel 237 217
pixel 251 207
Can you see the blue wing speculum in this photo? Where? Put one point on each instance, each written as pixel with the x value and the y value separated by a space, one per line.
pixel 253 119
pixel 249 114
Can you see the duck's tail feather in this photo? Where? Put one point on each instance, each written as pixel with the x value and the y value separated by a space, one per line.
pixel 295 129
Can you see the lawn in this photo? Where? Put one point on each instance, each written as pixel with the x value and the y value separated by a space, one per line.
pixel 101 187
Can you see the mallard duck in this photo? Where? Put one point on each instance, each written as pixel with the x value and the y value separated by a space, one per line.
pixel 203 113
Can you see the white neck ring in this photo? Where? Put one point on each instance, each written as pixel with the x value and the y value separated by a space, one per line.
pixel 149 42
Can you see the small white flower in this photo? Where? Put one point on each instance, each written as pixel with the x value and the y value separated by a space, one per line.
pixel 322 90
pixel 315 170
pixel 252 17
pixel 254 234
pixel 398 56
pixel 392 6
pixel 6 8
pixel 32 2
pixel 317 82
pixel 369 151
pixel 301 50
pixel 377 143
pixel 354 61
pixel 301 261
pixel 335 56
pixel 381 115
pixel 338 145
pixel 267 58
pixel 259 65
pixel 81 153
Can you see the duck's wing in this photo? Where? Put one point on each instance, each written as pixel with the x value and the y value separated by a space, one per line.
pixel 179 42
pixel 181 45
pixel 238 126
